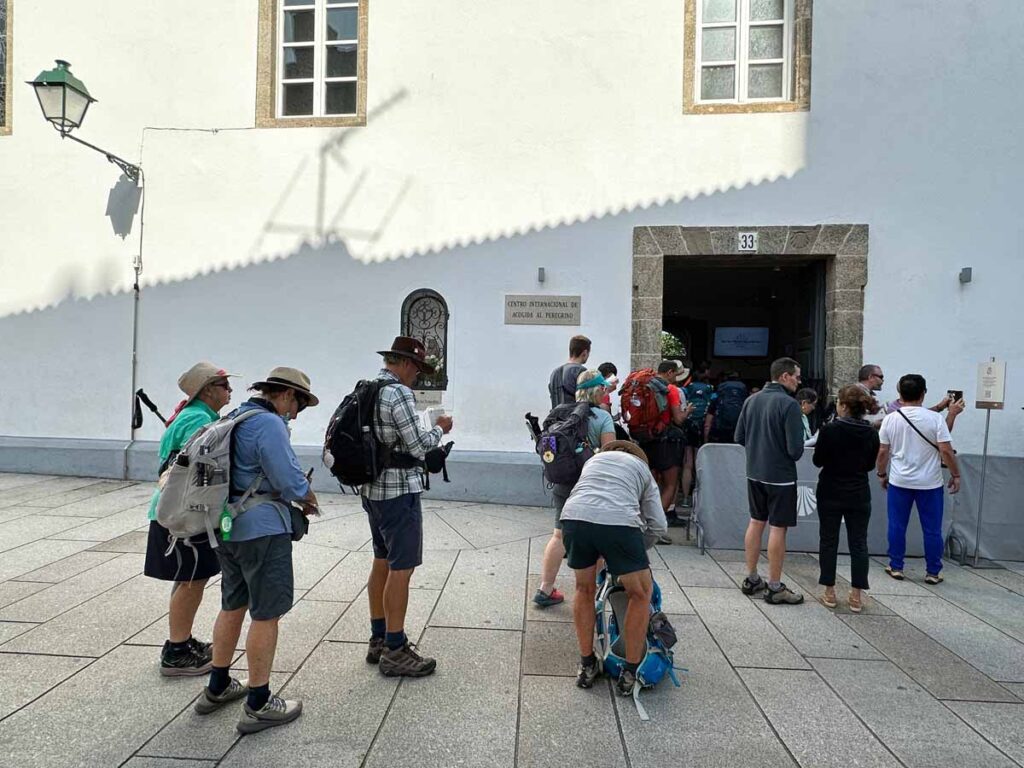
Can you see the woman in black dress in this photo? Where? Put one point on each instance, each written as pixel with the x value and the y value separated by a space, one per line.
pixel 846 452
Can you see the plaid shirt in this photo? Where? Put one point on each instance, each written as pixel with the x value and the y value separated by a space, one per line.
pixel 397 424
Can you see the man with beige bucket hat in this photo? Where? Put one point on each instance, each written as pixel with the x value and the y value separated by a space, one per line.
pixel 256 553
pixel 189 564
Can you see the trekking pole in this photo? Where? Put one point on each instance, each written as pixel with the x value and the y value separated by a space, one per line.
pixel 141 395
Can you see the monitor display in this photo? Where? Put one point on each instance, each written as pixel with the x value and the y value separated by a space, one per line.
pixel 741 342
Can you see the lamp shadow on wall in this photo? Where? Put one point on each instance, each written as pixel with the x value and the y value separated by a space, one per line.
pixel 123 205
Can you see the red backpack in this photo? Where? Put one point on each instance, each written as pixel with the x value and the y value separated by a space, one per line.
pixel 641 412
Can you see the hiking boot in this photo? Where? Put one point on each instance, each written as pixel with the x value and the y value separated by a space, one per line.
pixel 405 662
pixel 586 674
pixel 782 596
pixel 546 600
pixel 187 662
pixel 665 539
pixel 753 587
pixel 626 683
pixel 200 647
pixel 374 650
pixel 276 711
pixel 207 702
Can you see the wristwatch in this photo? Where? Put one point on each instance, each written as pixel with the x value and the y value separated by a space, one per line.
pixel 883 474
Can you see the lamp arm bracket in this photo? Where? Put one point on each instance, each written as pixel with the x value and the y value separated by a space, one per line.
pixel 130 170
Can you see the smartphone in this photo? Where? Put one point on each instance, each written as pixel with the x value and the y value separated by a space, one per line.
pixel 955 394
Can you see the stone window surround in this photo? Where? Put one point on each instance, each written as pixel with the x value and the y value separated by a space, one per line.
pixel 8 95
pixel 802 15
pixel 266 75
pixel 843 248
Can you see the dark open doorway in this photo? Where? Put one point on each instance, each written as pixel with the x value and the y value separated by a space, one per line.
pixel 742 313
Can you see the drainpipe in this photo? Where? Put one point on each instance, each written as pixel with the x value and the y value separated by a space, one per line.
pixel 137 266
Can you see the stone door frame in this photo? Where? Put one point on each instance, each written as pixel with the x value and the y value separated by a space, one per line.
pixel 843 248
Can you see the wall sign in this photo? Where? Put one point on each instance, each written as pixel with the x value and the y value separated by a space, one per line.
pixel 991 393
pixel 746 242
pixel 542 310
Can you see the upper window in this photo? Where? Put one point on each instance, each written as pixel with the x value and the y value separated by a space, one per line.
pixel 312 63
pixel 6 32
pixel 425 317
pixel 747 55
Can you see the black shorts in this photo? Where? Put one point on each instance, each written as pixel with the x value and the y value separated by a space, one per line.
pixel 774 504
pixel 621 546
pixel 666 452
pixel 258 575
pixel 184 563
pixel 396 526
pixel 694 432
pixel 559 494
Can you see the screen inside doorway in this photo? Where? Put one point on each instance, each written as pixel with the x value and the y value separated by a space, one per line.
pixel 741 342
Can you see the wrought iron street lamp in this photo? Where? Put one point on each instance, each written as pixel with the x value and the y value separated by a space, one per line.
pixel 64 100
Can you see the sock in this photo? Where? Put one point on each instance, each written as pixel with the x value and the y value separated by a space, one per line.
pixel 630 666
pixel 178 647
pixel 774 586
pixel 754 576
pixel 377 628
pixel 395 640
pixel 259 695
pixel 220 679
pixel 589 661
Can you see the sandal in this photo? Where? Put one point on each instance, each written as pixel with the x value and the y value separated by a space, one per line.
pixel 856 604
pixel 933 578
pixel 829 598
pixel 898 575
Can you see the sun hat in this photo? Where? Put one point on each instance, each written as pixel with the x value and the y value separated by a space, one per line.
pixel 405 346
pixel 192 381
pixel 626 446
pixel 682 372
pixel 292 378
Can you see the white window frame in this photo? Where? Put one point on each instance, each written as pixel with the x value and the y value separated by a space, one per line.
pixel 742 60
pixel 319 44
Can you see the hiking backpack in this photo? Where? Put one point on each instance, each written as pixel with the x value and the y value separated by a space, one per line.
pixel 657 663
pixel 644 397
pixel 196 486
pixel 728 404
pixel 698 394
pixel 563 445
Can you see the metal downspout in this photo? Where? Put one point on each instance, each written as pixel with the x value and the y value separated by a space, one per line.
pixel 137 265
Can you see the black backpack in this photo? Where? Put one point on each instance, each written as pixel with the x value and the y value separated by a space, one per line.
pixel 728 405
pixel 563 446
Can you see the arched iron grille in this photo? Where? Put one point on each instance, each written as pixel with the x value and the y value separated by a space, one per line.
pixel 425 317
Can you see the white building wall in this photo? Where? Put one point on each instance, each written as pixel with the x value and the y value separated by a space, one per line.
pixel 500 139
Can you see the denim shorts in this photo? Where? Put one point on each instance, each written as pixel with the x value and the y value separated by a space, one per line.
pixel 257 574
pixel 396 526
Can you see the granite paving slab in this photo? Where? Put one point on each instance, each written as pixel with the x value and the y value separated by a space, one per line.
pixel 63 498
pixel 802 570
pixel 485 530
pixel 24 677
pixel 814 630
pixel 561 612
pixel 1015 688
pixel 486 589
pixel 711 721
pixel 746 636
pixel 1008 579
pixel 917 728
pixel 68 567
pixel 61 597
pixel 10 480
pixel 11 629
pixel 476 685
pixel 672 598
pixel 728 555
pixel 1012 565
pixel 102 505
pixel 133 541
pixel 692 569
pixel 201 737
pixel 311 562
pixel 942 673
pixel 106 528
pixel 1001 724
pixel 438 534
pixel 299 632
pixel 163 762
pixel 354 625
pixel 24 530
pixel 344 581
pixel 817 727
pixel 100 624
pixel 537 545
pixel 16 513
pixel 543 516
pixel 550 649
pixel 435 570
pixel 343 533
pixel 17 496
pixel 13 591
pixel 586 725
pixel 881 582
pixel 32 556
pixel 344 700
pixel 994 653
pixel 136 701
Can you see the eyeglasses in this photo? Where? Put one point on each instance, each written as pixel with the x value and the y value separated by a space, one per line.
pixel 302 400
pixel 225 384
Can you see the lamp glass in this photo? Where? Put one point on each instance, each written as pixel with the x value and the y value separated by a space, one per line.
pixel 75 106
pixel 51 101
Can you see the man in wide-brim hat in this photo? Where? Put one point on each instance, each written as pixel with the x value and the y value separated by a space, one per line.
pixel 188 565
pixel 392 504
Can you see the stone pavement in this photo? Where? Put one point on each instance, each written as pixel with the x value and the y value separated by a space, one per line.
pixel 926 676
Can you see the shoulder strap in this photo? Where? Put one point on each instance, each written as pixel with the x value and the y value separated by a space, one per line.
pixel 914 427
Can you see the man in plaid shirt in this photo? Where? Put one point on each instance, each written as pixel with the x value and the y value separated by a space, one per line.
pixel 392 504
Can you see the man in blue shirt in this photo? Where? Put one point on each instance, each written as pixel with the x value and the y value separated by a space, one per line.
pixel 256 560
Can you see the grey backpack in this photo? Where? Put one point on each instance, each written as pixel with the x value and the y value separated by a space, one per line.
pixel 195 488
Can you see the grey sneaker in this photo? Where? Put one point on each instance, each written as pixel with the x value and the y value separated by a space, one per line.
pixel 276 711
pixel 374 650
pixel 753 587
pixel 405 662
pixel 782 596
pixel 191 661
pixel 586 674
pixel 207 702
pixel 626 683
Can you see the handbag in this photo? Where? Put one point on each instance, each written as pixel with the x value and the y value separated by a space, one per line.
pixel 300 523
pixel 914 427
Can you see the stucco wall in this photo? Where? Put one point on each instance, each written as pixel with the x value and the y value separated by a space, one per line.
pixel 500 139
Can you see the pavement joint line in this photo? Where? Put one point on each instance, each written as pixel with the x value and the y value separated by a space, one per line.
pixel 481 629
pixel 618 721
pixel 93 660
pixel 936 592
pixel 522 656
pixel 58 655
pixel 449 526
pixel 55 562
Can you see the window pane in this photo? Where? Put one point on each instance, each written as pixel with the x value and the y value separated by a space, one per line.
pixel 342 23
pixel 298 99
pixel 766 42
pixel 719 10
pixel 718 44
pixel 298 26
pixel 718 83
pixel 298 2
pixel 765 81
pixel 341 99
pixel 766 10
pixel 341 60
pixel 298 63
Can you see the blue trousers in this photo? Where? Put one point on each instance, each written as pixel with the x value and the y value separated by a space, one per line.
pixel 929 510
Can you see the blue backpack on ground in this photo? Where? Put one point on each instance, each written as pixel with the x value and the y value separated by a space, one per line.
pixel 610 607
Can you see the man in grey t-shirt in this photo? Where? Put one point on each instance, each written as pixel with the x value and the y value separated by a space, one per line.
pixel 562 382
